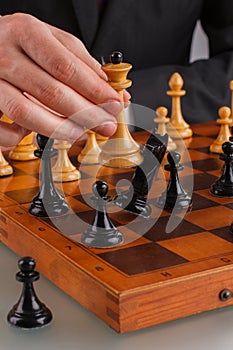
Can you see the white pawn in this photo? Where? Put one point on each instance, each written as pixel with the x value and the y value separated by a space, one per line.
pixel 64 170
pixel 224 121
pixel 161 121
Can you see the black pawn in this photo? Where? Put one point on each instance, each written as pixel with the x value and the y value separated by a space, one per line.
pixel 48 202
pixel 174 197
pixel 223 186
pixel 102 233
pixel 29 312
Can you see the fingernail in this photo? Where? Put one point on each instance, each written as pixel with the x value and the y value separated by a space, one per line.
pixel 113 107
pixel 127 94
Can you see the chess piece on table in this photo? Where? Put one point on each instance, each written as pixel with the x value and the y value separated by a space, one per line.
pixel 161 120
pixel 64 170
pixel 223 186
pixel 174 197
pixel 29 312
pixel 90 152
pixel 224 132
pixel 120 150
pixel 5 168
pixel 102 233
pixel 178 127
pixel 134 199
pixel 48 202
pixel 24 150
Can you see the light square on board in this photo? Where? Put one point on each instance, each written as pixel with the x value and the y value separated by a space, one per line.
pixel 198 246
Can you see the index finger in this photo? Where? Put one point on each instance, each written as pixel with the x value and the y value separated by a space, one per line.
pixel 62 64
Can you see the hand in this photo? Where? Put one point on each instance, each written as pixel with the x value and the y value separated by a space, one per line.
pixel 54 68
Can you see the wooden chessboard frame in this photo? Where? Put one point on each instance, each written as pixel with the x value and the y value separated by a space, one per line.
pixel 126 303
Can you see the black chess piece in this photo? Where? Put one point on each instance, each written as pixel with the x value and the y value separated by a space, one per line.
pixel 29 312
pixel 116 57
pixel 102 233
pixel 223 186
pixel 174 197
pixel 134 199
pixel 48 202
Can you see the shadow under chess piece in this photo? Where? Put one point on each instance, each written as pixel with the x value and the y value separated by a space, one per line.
pixel 174 197
pixel 134 199
pixel 29 312
pixel 48 202
pixel 224 134
pixel 223 187
pixel 102 233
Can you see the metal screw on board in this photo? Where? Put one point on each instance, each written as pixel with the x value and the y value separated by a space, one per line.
pixel 225 295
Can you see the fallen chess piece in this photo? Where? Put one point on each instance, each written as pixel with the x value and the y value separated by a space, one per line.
pixel 102 233
pixel 29 312
pixel 174 197
pixel 134 199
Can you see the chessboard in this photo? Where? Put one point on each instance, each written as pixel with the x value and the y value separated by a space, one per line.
pixel 170 265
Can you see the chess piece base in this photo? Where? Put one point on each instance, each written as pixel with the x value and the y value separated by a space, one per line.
pixel 216 148
pixel 89 158
pixel 56 208
pixel 23 153
pixel 127 161
pixel 180 133
pixel 6 170
pixel 102 238
pixel 64 176
pixel 137 204
pixel 38 319
pixel 177 203
pixel 219 190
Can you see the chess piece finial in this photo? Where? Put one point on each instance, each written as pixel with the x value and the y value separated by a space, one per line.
pixel 48 202
pixel 224 134
pixel 223 187
pixel 177 122
pixel 29 312
pixel 64 170
pixel 116 57
pixel 120 150
pixel 161 121
pixel 101 233
pixel 90 152
pixel 174 197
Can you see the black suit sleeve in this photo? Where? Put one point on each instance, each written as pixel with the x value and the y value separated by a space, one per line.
pixel 206 81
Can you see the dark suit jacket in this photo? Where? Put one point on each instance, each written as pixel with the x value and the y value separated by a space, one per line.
pixel 155 36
